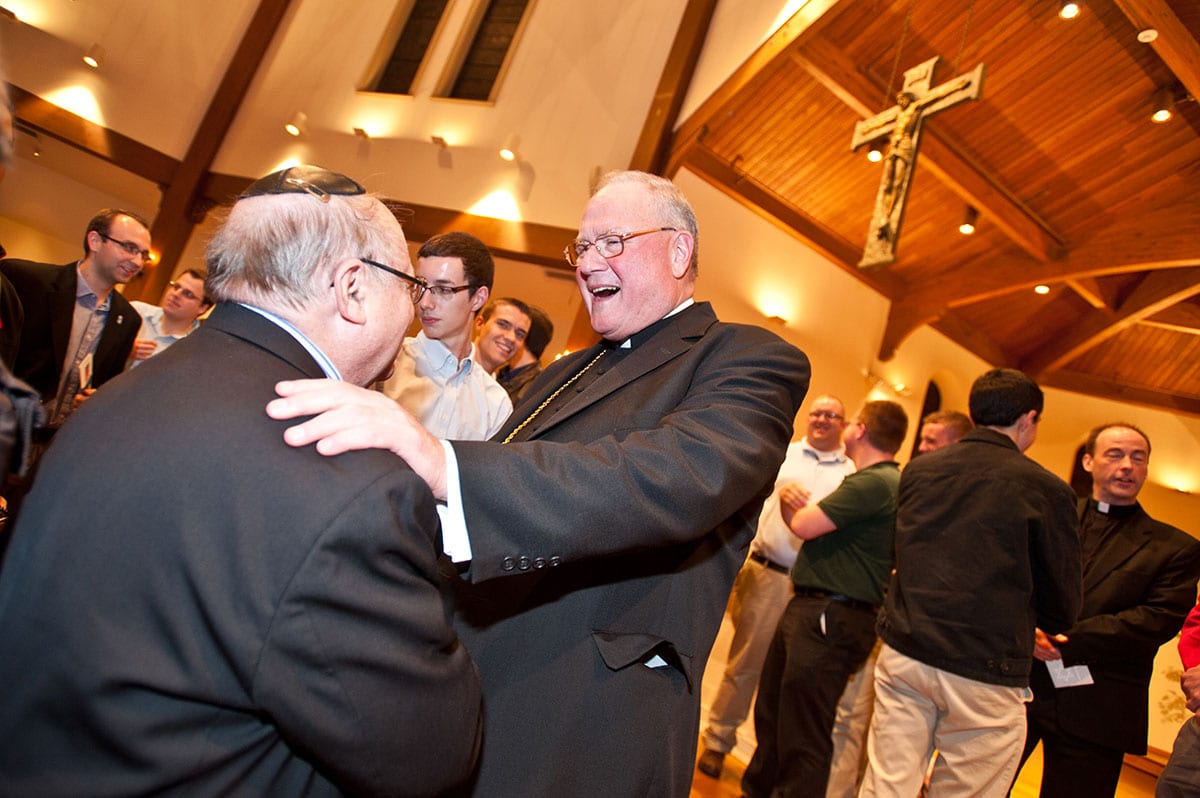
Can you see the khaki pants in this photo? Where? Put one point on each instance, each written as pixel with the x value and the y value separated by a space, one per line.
pixel 977 728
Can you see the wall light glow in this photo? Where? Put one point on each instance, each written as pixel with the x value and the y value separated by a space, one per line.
pixel 31 12
pixel 1183 480
pixel 499 204
pixel 79 100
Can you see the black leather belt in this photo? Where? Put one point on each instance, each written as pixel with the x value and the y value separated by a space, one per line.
pixel 812 592
pixel 774 566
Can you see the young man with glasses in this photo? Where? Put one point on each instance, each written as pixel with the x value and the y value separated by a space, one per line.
pixel 78 331
pixel 184 302
pixel 438 376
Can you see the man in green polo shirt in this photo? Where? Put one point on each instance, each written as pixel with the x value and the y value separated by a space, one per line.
pixel 828 628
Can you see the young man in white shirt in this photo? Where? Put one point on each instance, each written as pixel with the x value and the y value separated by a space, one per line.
pixel 438 376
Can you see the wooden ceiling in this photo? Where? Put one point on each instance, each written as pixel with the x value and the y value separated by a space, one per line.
pixel 1076 188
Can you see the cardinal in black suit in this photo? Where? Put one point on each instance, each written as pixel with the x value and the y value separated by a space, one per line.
pixel 1139 581
pixel 194 607
pixel 606 522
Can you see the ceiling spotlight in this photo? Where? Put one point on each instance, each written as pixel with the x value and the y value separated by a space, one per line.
pixel 509 151
pixel 1041 289
pixel 298 124
pixel 94 56
pixel 1068 10
pixel 875 152
pixel 968 223
pixel 1164 105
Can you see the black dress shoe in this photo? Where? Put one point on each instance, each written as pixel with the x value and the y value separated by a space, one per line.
pixel 711 762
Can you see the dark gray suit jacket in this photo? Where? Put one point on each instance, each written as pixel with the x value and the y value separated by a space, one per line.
pixel 618 522
pixel 47 294
pixel 195 607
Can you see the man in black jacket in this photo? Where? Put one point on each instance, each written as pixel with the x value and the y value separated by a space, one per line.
pixel 986 550
pixel 78 331
pixel 1139 581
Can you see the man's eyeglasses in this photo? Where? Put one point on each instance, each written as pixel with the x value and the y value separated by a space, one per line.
pixel 447 291
pixel 609 246
pixel 128 246
pixel 187 293
pixel 826 414
pixel 416 285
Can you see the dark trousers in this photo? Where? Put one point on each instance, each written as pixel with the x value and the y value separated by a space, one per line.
pixel 1181 777
pixel 1071 767
pixel 818 645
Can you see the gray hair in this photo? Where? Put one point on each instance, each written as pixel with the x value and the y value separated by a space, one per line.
pixel 668 201
pixel 277 249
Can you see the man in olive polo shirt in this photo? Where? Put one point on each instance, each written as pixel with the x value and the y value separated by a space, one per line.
pixel 828 628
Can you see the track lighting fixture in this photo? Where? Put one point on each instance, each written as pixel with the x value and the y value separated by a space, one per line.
pixel 968 224
pixel 509 151
pixel 1163 104
pixel 298 125
pixel 94 56
pixel 1068 9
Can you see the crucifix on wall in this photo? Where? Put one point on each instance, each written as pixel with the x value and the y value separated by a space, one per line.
pixel 902 124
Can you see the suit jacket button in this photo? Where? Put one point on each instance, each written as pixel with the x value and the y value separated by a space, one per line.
pixel 539 563
pixel 523 564
pixel 508 563
pixel 555 561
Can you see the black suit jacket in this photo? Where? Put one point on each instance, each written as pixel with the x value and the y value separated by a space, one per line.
pixel 618 520
pixel 47 294
pixel 196 608
pixel 1136 593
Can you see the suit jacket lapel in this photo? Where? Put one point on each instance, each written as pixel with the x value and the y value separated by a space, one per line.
pixel 678 336
pixel 61 298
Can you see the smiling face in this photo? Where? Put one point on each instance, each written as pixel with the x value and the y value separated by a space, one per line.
pixel 108 263
pixel 826 423
pixel 651 277
pixel 500 336
pixel 1119 466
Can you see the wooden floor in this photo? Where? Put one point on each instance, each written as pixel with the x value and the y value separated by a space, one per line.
pixel 1134 783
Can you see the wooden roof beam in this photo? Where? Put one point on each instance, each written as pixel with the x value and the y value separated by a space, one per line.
pixel 1160 290
pixel 653 147
pixel 760 199
pixel 830 67
pixel 1155 242
pixel 181 207
pixel 804 24
pixel 1175 45
pixel 107 145
pixel 1091 385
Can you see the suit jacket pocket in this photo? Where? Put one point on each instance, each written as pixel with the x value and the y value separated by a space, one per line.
pixel 620 650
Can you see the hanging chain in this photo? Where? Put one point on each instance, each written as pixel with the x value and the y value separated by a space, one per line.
pixel 550 398
pixel 887 98
pixel 962 44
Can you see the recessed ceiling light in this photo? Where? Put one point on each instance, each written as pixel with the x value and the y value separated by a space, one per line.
pixel 1041 289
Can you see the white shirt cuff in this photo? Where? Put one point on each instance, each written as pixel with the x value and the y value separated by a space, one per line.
pixel 455 541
